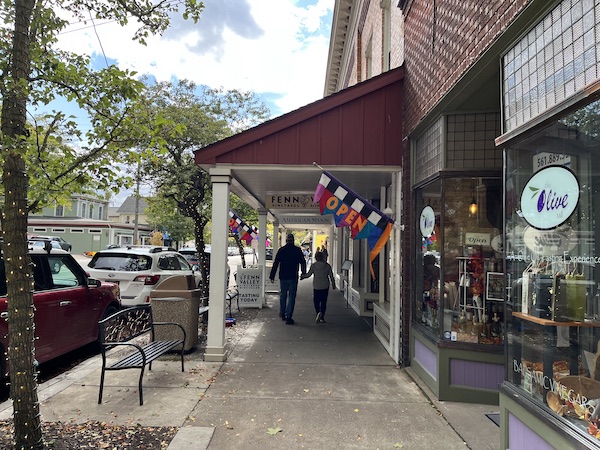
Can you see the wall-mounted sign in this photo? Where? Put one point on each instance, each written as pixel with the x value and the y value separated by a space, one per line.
pixel 544 159
pixel 549 242
pixel 477 239
pixel 290 201
pixel 427 221
pixel 550 197
pixel 305 220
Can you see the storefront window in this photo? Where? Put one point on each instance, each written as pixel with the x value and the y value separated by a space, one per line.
pixel 553 270
pixel 459 264
pixel 427 310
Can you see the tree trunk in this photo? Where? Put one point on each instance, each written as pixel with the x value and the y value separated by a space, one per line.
pixel 21 328
pixel 199 224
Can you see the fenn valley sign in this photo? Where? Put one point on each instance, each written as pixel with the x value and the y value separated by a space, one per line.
pixel 290 200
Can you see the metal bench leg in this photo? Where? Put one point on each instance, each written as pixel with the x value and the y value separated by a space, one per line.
pixel 101 386
pixel 140 386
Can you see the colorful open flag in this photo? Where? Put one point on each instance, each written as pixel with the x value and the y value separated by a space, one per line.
pixel 244 231
pixel 351 210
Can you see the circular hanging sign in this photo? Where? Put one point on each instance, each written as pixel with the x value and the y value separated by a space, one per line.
pixel 427 221
pixel 550 197
pixel 497 243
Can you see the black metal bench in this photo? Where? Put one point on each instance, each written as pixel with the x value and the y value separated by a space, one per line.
pixel 121 328
pixel 231 295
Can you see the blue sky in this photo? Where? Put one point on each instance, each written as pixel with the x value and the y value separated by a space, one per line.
pixel 275 48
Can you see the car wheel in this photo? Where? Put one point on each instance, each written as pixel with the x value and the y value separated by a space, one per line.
pixel 110 310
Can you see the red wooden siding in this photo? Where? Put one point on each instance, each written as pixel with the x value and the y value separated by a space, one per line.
pixel 361 125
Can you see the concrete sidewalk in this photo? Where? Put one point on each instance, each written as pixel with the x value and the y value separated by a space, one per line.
pixel 312 386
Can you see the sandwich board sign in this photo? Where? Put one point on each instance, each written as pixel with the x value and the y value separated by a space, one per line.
pixel 250 287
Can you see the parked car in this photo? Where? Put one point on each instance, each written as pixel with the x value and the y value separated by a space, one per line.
pixel 63 243
pixel 41 243
pixel 139 269
pixel 68 305
pixel 191 255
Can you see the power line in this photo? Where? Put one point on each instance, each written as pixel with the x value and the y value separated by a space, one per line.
pixel 98 37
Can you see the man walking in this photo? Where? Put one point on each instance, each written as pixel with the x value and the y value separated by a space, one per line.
pixel 288 259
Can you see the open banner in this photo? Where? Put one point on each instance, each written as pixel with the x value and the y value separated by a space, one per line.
pixel 237 226
pixel 351 210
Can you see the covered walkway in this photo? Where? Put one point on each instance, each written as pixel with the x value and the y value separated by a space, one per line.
pixel 356 136
pixel 326 386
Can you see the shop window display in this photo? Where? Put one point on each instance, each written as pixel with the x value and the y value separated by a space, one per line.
pixel 553 268
pixel 460 261
pixel 428 266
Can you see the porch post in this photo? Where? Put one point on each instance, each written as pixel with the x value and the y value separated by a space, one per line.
pixel 262 235
pixel 275 240
pixel 262 245
pixel 215 342
pixel 272 288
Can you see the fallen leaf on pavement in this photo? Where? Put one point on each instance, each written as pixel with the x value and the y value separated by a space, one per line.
pixel 274 431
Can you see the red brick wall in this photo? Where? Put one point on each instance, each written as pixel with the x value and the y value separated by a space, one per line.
pixel 441 43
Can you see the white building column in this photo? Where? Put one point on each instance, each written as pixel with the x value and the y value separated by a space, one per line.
pixel 262 245
pixel 262 235
pixel 215 342
pixel 275 240
pixel 396 269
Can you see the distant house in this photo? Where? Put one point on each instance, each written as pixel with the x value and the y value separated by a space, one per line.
pixel 86 224
pixel 82 207
pixel 126 212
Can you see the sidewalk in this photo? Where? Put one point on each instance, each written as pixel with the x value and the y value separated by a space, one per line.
pixel 311 386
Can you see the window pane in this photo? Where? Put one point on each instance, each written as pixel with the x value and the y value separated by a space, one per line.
pixel 471 260
pixel 428 256
pixel 553 271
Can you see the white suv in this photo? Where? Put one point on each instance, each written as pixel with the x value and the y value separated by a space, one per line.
pixel 139 269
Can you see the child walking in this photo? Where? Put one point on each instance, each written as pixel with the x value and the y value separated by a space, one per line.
pixel 323 276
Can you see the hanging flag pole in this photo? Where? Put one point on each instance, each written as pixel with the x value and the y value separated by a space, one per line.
pixel 318 166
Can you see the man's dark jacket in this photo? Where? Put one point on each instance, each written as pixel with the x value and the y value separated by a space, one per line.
pixel 289 257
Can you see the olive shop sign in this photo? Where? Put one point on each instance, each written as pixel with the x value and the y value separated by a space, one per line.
pixel 550 197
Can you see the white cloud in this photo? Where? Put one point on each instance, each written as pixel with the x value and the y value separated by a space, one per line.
pixel 275 48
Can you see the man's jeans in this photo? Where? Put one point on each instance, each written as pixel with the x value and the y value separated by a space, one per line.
pixel 288 290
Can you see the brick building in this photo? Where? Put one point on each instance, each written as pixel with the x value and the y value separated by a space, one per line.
pixel 499 284
pixel 500 110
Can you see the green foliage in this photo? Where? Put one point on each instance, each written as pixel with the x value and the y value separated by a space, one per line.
pixel 163 215
pixel 242 209
pixel 52 152
pixel 192 117
pixel 60 158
